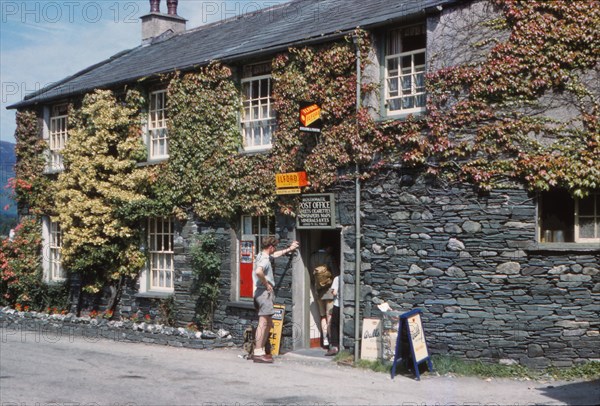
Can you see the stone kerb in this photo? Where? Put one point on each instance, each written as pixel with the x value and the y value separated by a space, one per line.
pixel 54 327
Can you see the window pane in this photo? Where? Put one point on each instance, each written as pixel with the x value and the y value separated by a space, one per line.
pixel 586 206
pixel 419 61
pixel 406 85
pixel 264 88
pixel 394 104
pixel 393 87
pixel 257 139
pixel 587 227
pixel 557 213
pixel 406 63
pixel 420 82
pixel 255 90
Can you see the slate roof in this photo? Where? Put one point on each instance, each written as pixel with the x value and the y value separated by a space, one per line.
pixel 266 31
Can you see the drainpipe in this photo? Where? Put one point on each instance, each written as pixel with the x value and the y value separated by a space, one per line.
pixel 357 229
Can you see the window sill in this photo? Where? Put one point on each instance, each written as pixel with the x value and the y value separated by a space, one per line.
pixel 386 116
pixel 564 247
pixel 260 150
pixel 53 171
pixel 152 162
pixel 154 295
pixel 56 282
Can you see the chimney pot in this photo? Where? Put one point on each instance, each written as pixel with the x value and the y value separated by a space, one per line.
pixel 172 7
pixel 155 6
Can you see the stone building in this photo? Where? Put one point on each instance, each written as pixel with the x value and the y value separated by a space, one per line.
pixel 505 274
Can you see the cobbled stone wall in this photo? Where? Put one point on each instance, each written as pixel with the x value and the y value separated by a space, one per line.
pixel 470 261
pixel 40 326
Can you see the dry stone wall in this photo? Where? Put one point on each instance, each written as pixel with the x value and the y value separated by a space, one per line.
pixel 470 261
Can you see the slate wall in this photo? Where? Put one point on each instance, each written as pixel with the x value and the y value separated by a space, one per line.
pixel 470 261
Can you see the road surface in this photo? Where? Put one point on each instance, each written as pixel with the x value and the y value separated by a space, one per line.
pixel 40 369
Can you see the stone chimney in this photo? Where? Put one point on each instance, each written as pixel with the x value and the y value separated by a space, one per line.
pixel 157 23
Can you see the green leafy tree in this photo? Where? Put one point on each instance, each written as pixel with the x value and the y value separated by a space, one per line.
pixel 101 175
pixel 206 265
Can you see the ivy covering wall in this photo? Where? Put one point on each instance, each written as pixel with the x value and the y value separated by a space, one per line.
pixel 486 124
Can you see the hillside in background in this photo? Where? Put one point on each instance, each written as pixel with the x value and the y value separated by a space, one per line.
pixel 8 218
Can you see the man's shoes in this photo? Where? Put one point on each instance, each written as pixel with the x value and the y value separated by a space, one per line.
pixel 263 359
pixel 332 351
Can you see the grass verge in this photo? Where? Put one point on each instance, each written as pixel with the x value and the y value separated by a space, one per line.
pixel 446 365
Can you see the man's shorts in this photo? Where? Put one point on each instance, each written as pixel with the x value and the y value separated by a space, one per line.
pixel 263 302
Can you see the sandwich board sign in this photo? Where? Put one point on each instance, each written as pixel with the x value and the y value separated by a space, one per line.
pixel 275 333
pixel 410 331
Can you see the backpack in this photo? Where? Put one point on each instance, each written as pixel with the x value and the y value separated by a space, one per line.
pixel 323 277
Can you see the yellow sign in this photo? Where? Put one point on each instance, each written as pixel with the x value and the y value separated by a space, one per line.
pixel 310 114
pixel 292 179
pixel 275 335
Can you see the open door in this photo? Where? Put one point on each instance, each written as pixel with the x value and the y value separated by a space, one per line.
pixel 311 241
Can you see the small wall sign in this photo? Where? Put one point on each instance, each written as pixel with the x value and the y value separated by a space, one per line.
pixel 370 345
pixel 316 211
pixel 291 179
pixel 310 117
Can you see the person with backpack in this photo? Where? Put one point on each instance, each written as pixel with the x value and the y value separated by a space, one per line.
pixel 323 270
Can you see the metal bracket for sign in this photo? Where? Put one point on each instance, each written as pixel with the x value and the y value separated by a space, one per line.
pixel 404 330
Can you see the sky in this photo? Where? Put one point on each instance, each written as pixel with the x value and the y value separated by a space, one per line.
pixel 43 41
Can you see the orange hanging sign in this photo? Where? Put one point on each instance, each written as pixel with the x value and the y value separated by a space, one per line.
pixel 292 179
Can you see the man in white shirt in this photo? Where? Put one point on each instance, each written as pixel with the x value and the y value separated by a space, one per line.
pixel 264 295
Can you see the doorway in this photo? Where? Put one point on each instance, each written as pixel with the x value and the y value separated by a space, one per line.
pixel 306 310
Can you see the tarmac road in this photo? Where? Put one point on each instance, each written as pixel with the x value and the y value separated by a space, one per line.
pixel 41 370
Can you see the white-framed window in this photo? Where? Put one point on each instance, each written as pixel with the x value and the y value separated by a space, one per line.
pixel 587 218
pixel 52 260
pixel 160 275
pixel 563 218
pixel 258 115
pixel 253 230
pixel 158 140
pixel 404 86
pixel 57 136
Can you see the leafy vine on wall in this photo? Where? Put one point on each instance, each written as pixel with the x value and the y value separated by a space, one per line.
pixel 487 123
pixel 30 185
pixel 101 175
